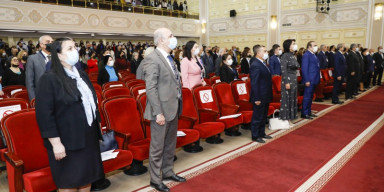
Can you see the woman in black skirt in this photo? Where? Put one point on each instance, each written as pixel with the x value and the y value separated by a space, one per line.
pixel 68 118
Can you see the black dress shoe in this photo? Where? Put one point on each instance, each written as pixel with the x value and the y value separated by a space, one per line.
pixel 175 178
pixel 312 115
pixel 267 137
pixel 160 187
pixel 338 102
pixel 259 139
pixel 306 117
pixel 319 100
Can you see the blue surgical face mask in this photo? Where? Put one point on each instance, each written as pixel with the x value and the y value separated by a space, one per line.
pixel 72 57
pixel 172 43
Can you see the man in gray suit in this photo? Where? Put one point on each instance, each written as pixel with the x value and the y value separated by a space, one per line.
pixel 164 103
pixel 36 65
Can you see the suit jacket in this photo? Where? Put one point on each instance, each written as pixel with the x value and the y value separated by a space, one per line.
pixel 190 73
pixel 228 75
pixel 323 59
pixel 34 70
pixel 371 66
pixel 275 65
pixel 245 65
pixel 340 65
pixel 61 115
pixel 379 60
pixel 361 63
pixel 331 59
pixel 352 63
pixel 103 76
pixel 217 65
pixel 209 64
pixel 310 68
pixel 261 82
pixel 162 87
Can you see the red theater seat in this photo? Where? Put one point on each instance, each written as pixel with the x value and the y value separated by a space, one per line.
pixel 112 85
pixel 12 89
pixel 122 116
pixel 190 141
pixel 134 82
pixel 214 80
pixel 115 92
pixel 208 109
pixel 22 95
pixel 137 90
pixel 27 159
pixel 208 130
pixel 97 87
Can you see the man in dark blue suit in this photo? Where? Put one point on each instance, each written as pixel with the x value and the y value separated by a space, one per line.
pixel 323 59
pixel 261 93
pixel 311 78
pixel 274 61
pixel 340 64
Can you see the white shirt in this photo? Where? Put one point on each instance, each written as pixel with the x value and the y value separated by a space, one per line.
pixel 45 57
pixel 165 54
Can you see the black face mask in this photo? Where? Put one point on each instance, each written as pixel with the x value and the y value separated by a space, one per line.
pixel 24 58
pixel 15 65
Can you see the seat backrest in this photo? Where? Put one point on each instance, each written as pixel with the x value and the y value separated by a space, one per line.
pixel 189 108
pixel 32 104
pixel 137 90
pixel 10 105
pixel 24 139
pixel 243 76
pixel 113 84
pixel 12 89
pixel 223 93
pixel 127 78
pixel 116 91
pixel 214 80
pixel 134 82
pixel 22 95
pixel 204 98
pixel 276 83
pixel 122 114
pixel 142 102
pixel 325 74
pixel 239 90
pixel 97 87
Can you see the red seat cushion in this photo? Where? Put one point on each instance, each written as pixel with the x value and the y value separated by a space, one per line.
pixel 191 136
pixel 123 159
pixel 231 122
pixel 209 129
pixel 140 149
pixel 247 116
pixel 39 180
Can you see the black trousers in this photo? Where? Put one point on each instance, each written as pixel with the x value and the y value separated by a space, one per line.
pixel 368 79
pixel 259 117
pixel 336 89
pixel 377 76
pixel 351 84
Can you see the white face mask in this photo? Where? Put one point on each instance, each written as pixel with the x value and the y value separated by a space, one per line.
pixel 315 48
pixel 265 56
pixel 357 49
pixel 196 51
pixel 229 62
pixel 280 52
pixel 172 43
pixel 72 57
pixel 4 54
pixel 110 63
pixel 381 50
pixel 295 47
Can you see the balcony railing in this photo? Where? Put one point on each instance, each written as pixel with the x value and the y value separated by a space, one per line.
pixel 122 7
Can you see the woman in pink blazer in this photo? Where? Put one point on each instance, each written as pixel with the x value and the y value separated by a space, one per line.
pixel 192 69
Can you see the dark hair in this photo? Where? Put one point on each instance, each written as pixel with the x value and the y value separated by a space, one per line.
pixel 331 47
pixel 272 51
pixel 287 44
pixel 106 58
pixel 56 67
pixel 90 53
pixel 224 58
pixel 256 48
pixel 363 50
pixel 245 52
pixel 309 44
pixel 188 48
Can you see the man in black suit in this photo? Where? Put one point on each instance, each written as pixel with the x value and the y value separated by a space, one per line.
pixel 353 65
pixel 360 69
pixel 378 58
pixel 261 93
pixel 339 73
pixel 207 58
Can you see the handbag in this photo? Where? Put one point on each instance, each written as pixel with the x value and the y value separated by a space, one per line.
pixel 109 142
pixel 276 123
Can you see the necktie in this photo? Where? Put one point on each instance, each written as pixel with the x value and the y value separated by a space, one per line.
pixel 266 66
pixel 49 58
pixel 175 72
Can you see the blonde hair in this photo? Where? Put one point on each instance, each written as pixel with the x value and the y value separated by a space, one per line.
pixel 20 54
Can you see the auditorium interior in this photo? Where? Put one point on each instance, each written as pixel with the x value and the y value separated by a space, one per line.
pixel 339 149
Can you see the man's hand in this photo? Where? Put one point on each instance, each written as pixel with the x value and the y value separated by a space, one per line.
pixel 339 78
pixel 287 86
pixel 160 119
pixel 257 102
pixel 307 84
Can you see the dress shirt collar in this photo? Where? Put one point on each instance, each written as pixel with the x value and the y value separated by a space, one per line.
pixel 165 54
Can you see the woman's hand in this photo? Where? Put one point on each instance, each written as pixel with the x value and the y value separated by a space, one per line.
pixel 1 93
pixel 287 86
pixel 203 83
pixel 59 151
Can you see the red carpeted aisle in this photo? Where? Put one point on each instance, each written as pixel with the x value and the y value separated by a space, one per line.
pixel 364 171
pixel 319 107
pixel 288 161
